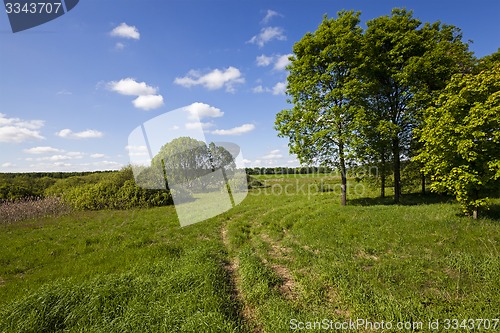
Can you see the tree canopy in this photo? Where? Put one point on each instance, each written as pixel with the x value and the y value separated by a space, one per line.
pixel 322 85
pixel 359 95
pixel 461 137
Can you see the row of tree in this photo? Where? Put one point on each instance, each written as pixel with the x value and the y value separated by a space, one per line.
pixel 395 91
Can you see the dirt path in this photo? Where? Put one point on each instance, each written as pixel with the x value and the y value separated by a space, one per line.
pixel 246 312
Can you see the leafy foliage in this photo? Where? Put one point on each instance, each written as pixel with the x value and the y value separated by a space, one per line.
pixel 406 64
pixel 461 138
pixel 322 83
pixel 108 191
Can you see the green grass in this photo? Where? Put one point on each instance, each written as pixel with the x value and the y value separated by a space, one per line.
pixel 115 271
pixel 297 255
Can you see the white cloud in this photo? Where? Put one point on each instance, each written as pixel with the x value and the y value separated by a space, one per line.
pixel 18 130
pixel 8 165
pixel 137 150
pixel 131 87
pixel 148 102
pixel 108 165
pixel 281 62
pixel 245 161
pixel 147 99
pixel 64 92
pixel 263 60
pixel 245 128
pixel 55 158
pixel 30 124
pixel 272 155
pixel 199 110
pixel 279 88
pixel 18 134
pixel 97 155
pixel 41 150
pixel 59 157
pixel 259 89
pixel 266 35
pixel 199 125
pixel 119 46
pixel 88 134
pixel 213 80
pixel 269 15
pixel 75 154
pixel 126 31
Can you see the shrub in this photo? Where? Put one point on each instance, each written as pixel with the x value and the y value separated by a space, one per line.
pixel 111 191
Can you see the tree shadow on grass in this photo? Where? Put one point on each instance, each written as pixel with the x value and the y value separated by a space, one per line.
pixel 410 199
pixel 493 213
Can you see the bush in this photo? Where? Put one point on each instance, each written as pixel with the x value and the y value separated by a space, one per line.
pixel 113 190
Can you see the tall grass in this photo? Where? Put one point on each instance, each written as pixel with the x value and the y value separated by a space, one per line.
pixel 294 254
pixel 31 208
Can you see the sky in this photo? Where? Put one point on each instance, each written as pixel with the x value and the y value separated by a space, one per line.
pixel 73 89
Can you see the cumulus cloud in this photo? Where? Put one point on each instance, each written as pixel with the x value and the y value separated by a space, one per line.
pixel 266 35
pixel 147 97
pixel 269 15
pixel 119 46
pixel 8 165
pixel 199 110
pixel 59 157
pixel 17 130
pixel 279 88
pixel 131 87
pixel 198 125
pixel 148 102
pixel 260 89
pixel 41 150
pixel 137 150
pixel 213 80
pixel 126 31
pixel 97 155
pixel 263 60
pixel 272 155
pixel 245 128
pixel 281 62
pixel 88 134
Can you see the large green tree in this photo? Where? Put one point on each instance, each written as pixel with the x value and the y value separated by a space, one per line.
pixel 322 84
pixel 405 65
pixel 461 137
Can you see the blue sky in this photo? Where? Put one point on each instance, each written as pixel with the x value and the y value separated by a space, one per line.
pixel 73 89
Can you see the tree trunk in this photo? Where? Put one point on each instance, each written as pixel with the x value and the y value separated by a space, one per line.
pixel 382 177
pixel 343 200
pixel 423 183
pixel 382 186
pixel 475 213
pixel 397 170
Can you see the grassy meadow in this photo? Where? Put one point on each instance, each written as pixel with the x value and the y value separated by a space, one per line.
pixel 288 254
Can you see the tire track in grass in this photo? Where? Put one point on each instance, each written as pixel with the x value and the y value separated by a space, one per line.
pixel 277 251
pixel 246 312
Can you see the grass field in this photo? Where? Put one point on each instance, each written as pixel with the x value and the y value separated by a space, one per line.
pixel 288 255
